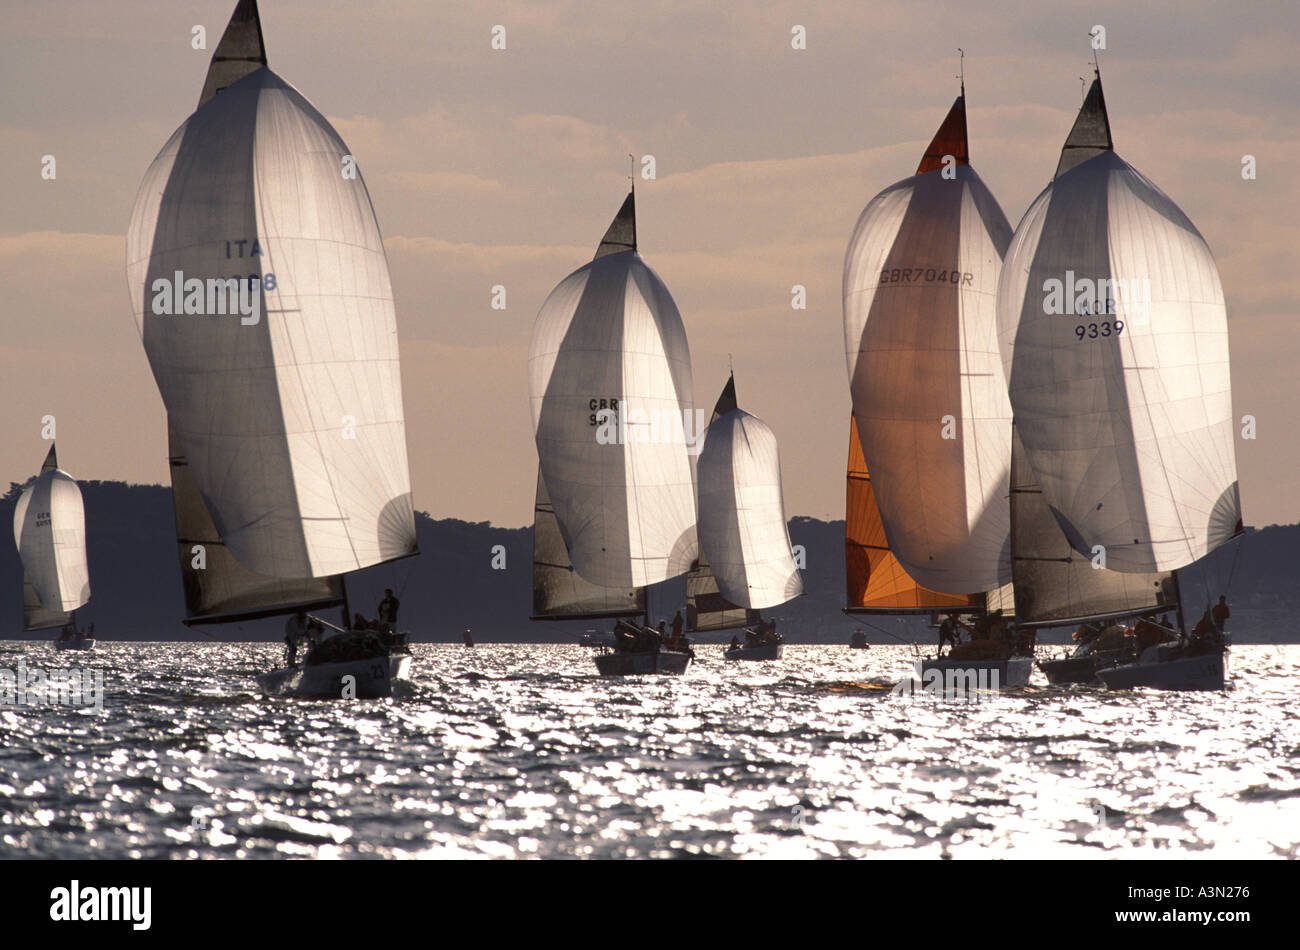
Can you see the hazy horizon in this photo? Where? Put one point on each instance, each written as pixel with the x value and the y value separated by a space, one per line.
pixel 492 167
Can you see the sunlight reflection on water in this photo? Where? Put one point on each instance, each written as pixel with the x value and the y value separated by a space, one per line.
pixel 522 751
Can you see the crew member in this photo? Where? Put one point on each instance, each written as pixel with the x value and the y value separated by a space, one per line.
pixel 947 632
pixel 387 609
pixel 1221 613
pixel 294 630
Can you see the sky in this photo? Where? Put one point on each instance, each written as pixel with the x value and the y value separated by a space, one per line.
pixel 504 167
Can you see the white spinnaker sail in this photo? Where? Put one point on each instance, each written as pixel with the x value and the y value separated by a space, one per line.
pixel 742 529
pixel 929 391
pixel 50 531
pixel 293 425
pixel 1128 429
pixel 609 339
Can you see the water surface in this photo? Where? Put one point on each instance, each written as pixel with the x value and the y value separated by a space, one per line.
pixel 509 751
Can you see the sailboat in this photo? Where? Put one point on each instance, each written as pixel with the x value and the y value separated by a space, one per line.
pixel 260 288
pixel 1056 586
pixel 50 532
pixel 928 523
pixel 610 383
pixel 1115 341
pixel 746 562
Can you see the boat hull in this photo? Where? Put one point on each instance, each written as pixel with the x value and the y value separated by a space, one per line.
pixel 1205 671
pixel 768 651
pixel 1011 672
pixel 637 664
pixel 80 643
pixel 374 678
pixel 1076 669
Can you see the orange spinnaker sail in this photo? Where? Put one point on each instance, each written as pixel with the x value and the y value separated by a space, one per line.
pixel 876 581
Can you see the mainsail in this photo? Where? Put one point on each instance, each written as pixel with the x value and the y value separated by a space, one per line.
pixel 289 412
pixel 1056 585
pixel 929 393
pixel 50 532
pixel 559 592
pixel 218 589
pixel 876 582
pixel 706 608
pixel 610 379
pixel 1115 341
pixel 742 526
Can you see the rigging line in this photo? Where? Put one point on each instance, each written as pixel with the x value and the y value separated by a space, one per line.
pixel 888 633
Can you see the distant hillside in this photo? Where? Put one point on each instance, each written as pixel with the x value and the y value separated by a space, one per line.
pixel 135 581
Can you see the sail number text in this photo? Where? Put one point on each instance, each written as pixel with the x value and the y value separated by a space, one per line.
pixel 1093 331
pixel 895 275
pixel 595 405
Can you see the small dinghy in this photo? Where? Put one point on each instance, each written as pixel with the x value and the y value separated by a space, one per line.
pixel 761 643
pixel 78 641
pixel 759 651
pixel 859 641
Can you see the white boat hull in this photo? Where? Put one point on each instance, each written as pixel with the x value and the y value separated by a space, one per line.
pixel 768 651
pixel 80 643
pixel 637 664
pixel 372 678
pixel 1205 671
pixel 1011 672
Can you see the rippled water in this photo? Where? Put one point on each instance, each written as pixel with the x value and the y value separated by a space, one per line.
pixel 509 751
